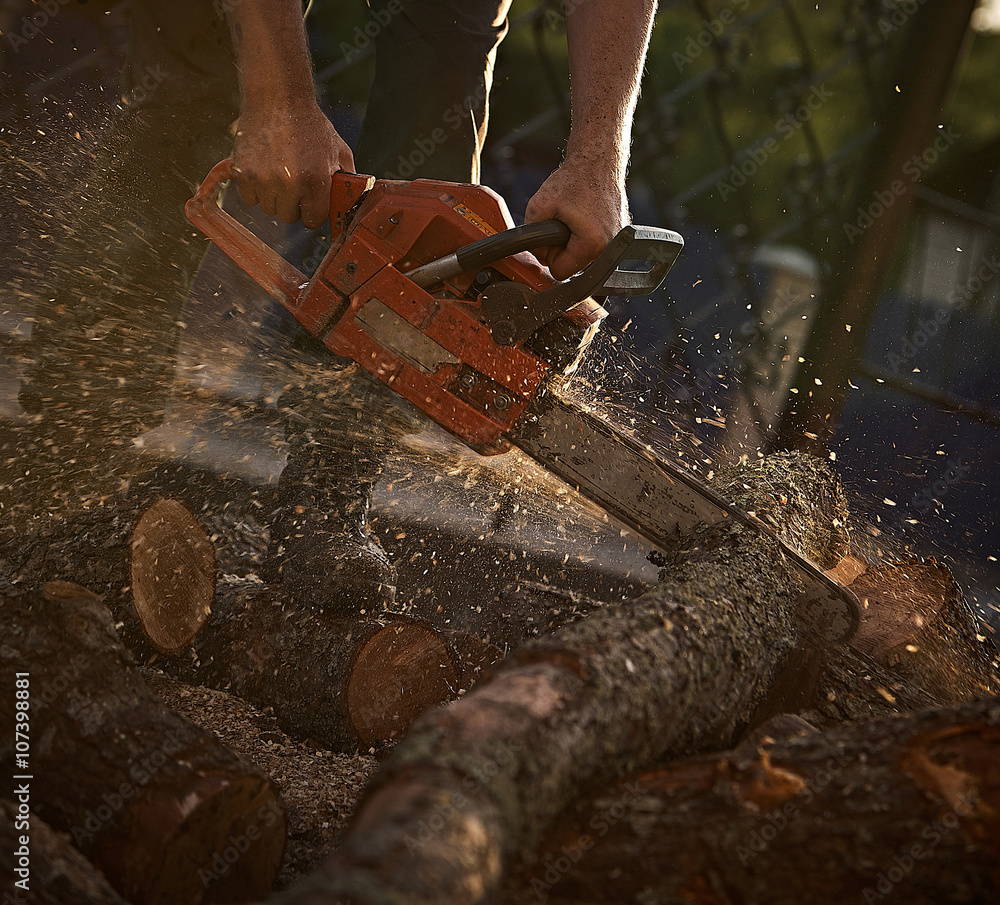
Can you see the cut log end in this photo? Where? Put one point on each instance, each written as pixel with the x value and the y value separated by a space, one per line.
pixel 163 809
pixel 400 671
pixel 172 569
pixel 223 842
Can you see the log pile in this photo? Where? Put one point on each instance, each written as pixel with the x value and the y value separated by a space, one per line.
pixel 150 799
pixel 487 782
pixel 346 682
pixel 644 752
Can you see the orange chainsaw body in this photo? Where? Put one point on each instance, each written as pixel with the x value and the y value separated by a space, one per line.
pixel 478 352
pixel 434 349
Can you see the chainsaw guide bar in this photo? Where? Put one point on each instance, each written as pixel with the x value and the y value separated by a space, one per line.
pixel 428 286
pixel 657 500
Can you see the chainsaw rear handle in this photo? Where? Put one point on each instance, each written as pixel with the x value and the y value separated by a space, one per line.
pixel 477 255
pixel 272 272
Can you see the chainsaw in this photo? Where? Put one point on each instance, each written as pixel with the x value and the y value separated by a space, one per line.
pixel 430 287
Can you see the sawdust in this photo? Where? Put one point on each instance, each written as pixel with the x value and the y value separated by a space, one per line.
pixel 318 788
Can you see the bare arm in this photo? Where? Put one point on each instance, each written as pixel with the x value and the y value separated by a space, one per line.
pixel 607 50
pixel 286 150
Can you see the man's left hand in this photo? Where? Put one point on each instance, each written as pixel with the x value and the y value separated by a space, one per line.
pixel 593 206
pixel 285 157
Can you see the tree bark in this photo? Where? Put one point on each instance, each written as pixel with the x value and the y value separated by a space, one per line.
pixel 344 683
pixel 678 670
pixel 907 808
pixel 53 872
pixel 155 802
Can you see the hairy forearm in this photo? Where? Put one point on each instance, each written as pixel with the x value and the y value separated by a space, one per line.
pixel 272 53
pixel 286 149
pixel 607 50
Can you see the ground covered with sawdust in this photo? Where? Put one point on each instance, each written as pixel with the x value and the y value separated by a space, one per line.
pixel 318 788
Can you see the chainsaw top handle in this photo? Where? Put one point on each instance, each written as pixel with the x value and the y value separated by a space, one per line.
pixel 514 312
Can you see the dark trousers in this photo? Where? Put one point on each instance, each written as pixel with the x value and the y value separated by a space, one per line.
pixel 107 327
pixel 429 101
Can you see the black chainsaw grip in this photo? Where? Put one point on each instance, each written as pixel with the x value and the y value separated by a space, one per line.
pixel 514 313
pixel 511 241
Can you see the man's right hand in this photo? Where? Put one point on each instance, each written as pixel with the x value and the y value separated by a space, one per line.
pixel 286 150
pixel 285 158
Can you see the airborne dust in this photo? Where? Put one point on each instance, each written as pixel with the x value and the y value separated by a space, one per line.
pixel 230 372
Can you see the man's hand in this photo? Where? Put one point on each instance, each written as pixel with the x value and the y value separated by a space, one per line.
pixel 607 47
pixel 593 206
pixel 285 158
pixel 286 150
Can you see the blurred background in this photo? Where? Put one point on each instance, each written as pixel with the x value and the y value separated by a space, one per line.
pixel 832 166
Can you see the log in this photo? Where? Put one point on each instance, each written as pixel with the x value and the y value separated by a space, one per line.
pixel 855 688
pixel 152 552
pixel 898 598
pixel 905 809
pixel 917 627
pixel 172 572
pixel 946 654
pixel 157 804
pixel 344 683
pixel 403 667
pixel 50 871
pixel 475 783
pixel 474 658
